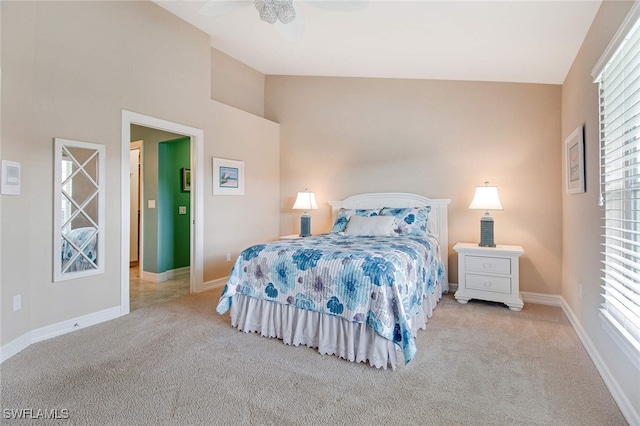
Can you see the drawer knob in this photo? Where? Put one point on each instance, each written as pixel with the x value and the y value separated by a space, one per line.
pixel 487 283
pixel 486 265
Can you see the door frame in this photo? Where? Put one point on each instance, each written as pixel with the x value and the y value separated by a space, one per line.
pixel 138 145
pixel 196 194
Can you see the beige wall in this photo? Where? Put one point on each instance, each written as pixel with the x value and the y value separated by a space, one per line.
pixel 236 84
pixel 69 69
pixel 581 218
pixel 343 136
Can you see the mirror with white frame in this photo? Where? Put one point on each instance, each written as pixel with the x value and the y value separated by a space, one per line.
pixel 78 243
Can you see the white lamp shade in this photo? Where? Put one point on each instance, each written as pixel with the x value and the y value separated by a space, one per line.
pixel 486 198
pixel 305 201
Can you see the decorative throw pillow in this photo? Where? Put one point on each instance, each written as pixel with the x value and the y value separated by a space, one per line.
pixel 410 220
pixel 344 214
pixel 370 226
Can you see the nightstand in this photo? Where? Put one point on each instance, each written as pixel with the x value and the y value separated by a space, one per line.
pixel 290 237
pixel 489 273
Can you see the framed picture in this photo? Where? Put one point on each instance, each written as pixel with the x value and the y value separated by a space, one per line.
pixel 10 184
pixel 186 179
pixel 228 177
pixel 574 159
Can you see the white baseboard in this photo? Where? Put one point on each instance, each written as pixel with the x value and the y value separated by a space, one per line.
pixel 74 324
pixel 50 331
pixel 537 298
pixel 541 299
pixel 166 275
pixel 627 409
pixel 210 285
pixel 178 272
pixel 152 276
pixel 15 346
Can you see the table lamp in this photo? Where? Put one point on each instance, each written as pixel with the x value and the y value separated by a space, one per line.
pixel 305 201
pixel 486 198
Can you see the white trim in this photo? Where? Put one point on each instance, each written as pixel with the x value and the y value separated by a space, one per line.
pixel 152 276
pixel 197 198
pixel 74 324
pixel 161 277
pixel 621 340
pixel 541 299
pixel 139 145
pixel 210 285
pixel 625 406
pixel 537 298
pixel 178 272
pixel 14 347
pixel 54 330
pixel 618 38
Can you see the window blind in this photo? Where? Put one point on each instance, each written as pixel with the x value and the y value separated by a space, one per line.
pixel 619 86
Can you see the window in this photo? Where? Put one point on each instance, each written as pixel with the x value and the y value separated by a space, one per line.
pixel 619 84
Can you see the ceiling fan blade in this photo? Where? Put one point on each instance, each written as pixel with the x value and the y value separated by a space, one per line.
pixel 220 7
pixel 339 5
pixel 294 30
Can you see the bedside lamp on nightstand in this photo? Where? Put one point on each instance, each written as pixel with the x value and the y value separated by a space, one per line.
pixel 305 201
pixel 486 198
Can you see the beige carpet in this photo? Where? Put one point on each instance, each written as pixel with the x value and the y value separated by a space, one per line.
pixel 179 363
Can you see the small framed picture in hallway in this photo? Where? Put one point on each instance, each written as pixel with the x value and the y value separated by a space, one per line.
pixel 186 179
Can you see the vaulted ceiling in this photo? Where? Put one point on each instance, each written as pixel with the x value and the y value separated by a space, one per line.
pixel 502 40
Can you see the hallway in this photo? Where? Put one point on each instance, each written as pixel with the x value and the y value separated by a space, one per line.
pixel 145 293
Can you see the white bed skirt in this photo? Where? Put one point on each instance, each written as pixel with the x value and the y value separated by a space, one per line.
pixel 331 335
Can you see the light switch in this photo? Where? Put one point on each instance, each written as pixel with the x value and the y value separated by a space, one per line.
pixel 17 302
pixel 182 209
pixel 151 204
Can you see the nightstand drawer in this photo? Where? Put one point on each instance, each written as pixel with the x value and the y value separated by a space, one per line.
pixel 488 283
pixel 488 264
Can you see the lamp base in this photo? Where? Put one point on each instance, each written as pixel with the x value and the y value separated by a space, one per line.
pixel 486 232
pixel 305 226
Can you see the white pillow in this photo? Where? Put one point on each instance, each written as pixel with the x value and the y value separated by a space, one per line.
pixel 370 226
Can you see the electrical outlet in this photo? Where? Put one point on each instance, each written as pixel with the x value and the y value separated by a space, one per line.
pixel 228 257
pixel 17 302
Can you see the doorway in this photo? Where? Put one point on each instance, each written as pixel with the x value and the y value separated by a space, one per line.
pixel 196 213
pixel 161 270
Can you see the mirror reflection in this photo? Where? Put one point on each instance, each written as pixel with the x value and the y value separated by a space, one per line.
pixel 79 209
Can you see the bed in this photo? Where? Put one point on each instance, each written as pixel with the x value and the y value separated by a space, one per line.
pixel 360 292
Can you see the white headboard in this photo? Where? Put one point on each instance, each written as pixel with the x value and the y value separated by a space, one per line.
pixel 437 215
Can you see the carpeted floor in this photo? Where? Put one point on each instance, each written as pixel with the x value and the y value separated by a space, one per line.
pixel 179 363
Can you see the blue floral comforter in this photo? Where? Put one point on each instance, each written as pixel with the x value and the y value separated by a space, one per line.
pixel 380 281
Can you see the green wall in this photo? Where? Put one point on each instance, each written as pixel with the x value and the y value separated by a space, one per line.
pixel 173 228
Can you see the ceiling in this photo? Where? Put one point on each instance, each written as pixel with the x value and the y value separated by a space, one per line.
pixel 500 40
